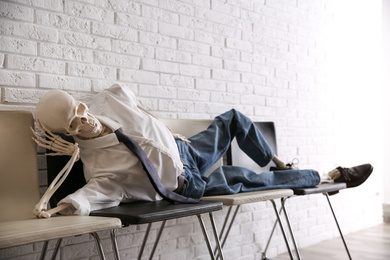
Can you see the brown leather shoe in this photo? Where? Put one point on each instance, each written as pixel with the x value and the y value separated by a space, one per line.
pixel 354 176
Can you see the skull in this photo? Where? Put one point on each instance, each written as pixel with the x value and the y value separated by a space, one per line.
pixel 59 112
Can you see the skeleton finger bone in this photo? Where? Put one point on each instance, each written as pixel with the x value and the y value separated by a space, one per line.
pixel 54 142
pixel 50 212
pixel 54 137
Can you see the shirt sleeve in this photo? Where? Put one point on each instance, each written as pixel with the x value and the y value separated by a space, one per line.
pixel 98 193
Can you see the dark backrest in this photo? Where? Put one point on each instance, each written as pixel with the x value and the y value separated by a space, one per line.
pixel 73 182
pixel 239 158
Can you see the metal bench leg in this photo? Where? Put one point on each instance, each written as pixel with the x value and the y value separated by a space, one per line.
pixel 114 243
pixel 157 239
pixel 277 220
pixel 206 237
pixel 338 226
pixel 44 250
pixel 217 241
pixel 141 251
pixel 223 237
pixel 282 229
pixel 283 201
pixel 98 245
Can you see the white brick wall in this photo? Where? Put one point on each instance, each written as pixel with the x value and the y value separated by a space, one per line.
pixel 272 60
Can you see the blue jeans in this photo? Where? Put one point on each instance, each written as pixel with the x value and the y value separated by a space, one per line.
pixel 208 146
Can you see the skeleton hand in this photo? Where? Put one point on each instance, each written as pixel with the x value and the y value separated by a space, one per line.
pixel 181 137
pixel 61 147
pixel 54 142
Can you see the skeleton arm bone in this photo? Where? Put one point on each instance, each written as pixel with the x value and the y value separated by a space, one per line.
pixel 61 147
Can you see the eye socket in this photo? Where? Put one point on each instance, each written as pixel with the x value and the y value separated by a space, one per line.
pixel 81 109
pixel 73 124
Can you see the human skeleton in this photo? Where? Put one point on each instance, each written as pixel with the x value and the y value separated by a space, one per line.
pixel 59 112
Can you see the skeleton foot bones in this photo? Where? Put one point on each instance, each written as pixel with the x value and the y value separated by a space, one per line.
pixel 60 147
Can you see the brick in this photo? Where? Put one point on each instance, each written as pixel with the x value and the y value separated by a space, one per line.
pixel 64 82
pixel 160 66
pixel 63 52
pixel 222 6
pixel 160 15
pixel 84 40
pixel 138 76
pixel 176 31
pixel 14 45
pixel 89 11
pixel 157 91
pixel 19 95
pixel 226 31
pixel 209 38
pixel 173 55
pixel 49 5
pixel 137 23
pixel 157 40
pixel 35 64
pixel 196 24
pixel 17 78
pixel 225 53
pixel 91 71
pixel 2 58
pixel 177 7
pixel 116 60
pixel 177 81
pixel 122 6
pixel 176 105
pixel 28 31
pixel 132 48
pixel 212 109
pixel 237 66
pixel 195 71
pixel 196 95
pixel 214 85
pixel 114 31
pixel 221 97
pixel 62 21
pixel 239 88
pixel 194 47
pixel 253 78
pixel 226 75
pixel 17 12
pixel 207 61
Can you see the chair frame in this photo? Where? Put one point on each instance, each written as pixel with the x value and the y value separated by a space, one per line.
pixel 76 180
pixel 18 129
pixel 327 189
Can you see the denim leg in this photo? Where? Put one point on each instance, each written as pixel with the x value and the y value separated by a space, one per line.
pixel 208 146
pixel 234 179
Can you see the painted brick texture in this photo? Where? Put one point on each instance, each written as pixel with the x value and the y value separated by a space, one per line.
pixel 192 59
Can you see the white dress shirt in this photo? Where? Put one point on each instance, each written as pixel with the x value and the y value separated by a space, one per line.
pixel 112 172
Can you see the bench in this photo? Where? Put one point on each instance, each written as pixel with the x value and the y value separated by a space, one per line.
pixel 19 192
pixel 150 212
pixel 236 157
pixel 135 213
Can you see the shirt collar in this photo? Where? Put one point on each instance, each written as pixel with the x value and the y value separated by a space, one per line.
pixel 103 141
pixel 99 142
